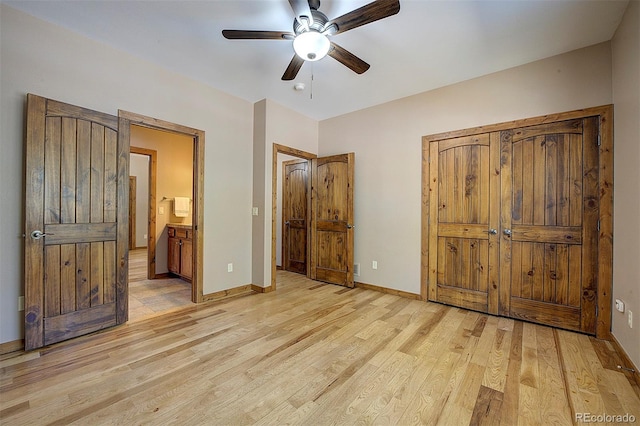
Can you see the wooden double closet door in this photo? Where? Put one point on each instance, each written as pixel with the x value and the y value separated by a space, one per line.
pixel 513 222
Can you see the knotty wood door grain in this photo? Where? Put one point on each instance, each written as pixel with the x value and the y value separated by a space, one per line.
pixel 76 194
pixel 550 206
pixel 547 188
pixel 332 219
pixel 294 215
pixel 462 247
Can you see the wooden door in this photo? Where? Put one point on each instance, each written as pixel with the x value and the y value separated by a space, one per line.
pixel 295 203
pixel 332 227
pixel 463 235
pixel 549 223
pixel 76 220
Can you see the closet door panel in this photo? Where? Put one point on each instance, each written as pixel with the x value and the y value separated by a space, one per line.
pixel 553 229
pixel 459 235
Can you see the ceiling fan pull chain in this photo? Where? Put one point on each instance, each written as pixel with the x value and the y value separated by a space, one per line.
pixel 311 89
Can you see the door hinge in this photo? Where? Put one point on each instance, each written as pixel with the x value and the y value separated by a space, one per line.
pixel 599 140
pixel 596 310
pixel 598 225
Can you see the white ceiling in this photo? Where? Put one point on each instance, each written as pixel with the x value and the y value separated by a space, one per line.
pixel 428 44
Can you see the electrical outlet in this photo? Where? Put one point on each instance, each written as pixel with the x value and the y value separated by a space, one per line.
pixel 229 267
pixel 161 210
pixel 145 236
pixel 254 211
pixel 374 264
pixel 356 269
pixel 20 303
pixel 630 319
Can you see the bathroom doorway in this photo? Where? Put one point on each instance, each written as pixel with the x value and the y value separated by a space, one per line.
pixel 162 165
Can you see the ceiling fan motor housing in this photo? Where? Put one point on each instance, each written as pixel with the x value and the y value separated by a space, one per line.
pixel 319 22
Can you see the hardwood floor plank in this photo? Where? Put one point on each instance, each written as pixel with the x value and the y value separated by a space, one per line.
pixel 487 408
pixel 312 354
pixel 511 398
pixel 496 372
pixel 379 390
pixel 585 394
pixel 553 410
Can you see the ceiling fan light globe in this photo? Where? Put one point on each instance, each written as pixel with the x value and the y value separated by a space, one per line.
pixel 311 45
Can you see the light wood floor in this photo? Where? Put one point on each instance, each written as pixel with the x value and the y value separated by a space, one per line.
pixel 316 354
pixel 152 297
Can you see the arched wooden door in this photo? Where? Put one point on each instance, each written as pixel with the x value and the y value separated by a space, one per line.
pixel 295 202
pixel 76 222
pixel 463 243
pixel 332 219
pixel 550 212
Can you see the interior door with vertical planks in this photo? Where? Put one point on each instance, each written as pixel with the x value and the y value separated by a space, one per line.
pixel 76 222
pixel 464 217
pixel 295 203
pixel 550 223
pixel 332 219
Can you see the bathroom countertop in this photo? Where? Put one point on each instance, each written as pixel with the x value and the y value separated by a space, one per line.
pixel 180 225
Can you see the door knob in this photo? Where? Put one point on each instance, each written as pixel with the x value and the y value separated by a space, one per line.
pixel 349 226
pixel 37 234
pixel 287 222
pixel 507 232
pixel 492 231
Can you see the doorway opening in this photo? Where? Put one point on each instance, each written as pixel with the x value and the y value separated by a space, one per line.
pixel 186 181
pixel 281 154
pixel 151 289
pixel 330 246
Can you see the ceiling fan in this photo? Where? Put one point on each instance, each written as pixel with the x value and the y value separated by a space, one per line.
pixel 311 29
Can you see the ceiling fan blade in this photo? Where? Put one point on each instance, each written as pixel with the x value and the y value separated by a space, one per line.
pixel 365 15
pixel 257 35
pixel 348 59
pixel 302 10
pixel 293 68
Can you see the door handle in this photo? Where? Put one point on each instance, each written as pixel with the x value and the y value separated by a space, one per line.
pixel 287 223
pixel 507 232
pixel 349 226
pixel 37 234
pixel 492 231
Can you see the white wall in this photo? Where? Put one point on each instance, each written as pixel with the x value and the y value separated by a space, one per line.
pixel 387 143
pixel 41 58
pixel 274 123
pixel 626 180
